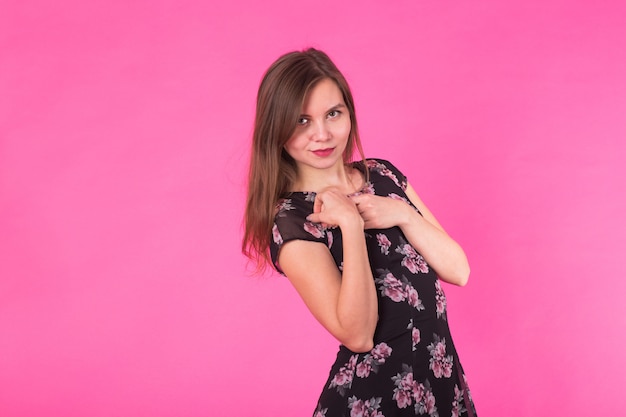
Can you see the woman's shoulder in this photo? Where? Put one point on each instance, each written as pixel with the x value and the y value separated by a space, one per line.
pixel 377 164
pixel 290 222
pixel 294 207
pixel 385 169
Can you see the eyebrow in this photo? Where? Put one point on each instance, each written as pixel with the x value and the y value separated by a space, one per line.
pixel 335 107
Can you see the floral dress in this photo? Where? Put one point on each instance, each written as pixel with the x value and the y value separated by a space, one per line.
pixel 413 369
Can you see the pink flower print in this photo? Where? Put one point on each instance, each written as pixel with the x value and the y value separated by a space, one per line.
pixel 315 229
pixel 330 237
pixel 284 205
pixel 372 361
pixel 410 264
pixel 405 387
pixel 408 251
pixel 407 382
pixel 393 288
pixel 441 307
pixel 440 350
pixel 458 406
pixel 320 412
pixel 413 261
pixel 440 364
pixel 429 403
pixel 381 352
pixel 413 298
pixel 384 243
pixel 403 398
pixel 467 390
pixel 367 408
pixel 437 368
pixel 398 290
pixel 388 173
pixel 368 188
pixel 384 171
pixel 415 335
pixel 425 402
pixel 418 392
pixel 440 298
pixel 343 378
pixel 363 369
pixel 357 407
pixel 422 265
pixel 409 391
pixel 395 196
pixel 309 196
pixel 352 362
pixel 278 239
pixel 372 163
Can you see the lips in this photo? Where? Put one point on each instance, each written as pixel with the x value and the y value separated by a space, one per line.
pixel 323 152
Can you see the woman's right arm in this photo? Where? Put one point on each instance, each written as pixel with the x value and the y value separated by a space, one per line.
pixel 344 303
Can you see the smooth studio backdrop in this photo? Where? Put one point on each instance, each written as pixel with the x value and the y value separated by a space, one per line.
pixel 124 135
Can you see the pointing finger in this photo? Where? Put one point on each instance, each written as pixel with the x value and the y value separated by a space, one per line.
pixel 356 198
pixel 317 204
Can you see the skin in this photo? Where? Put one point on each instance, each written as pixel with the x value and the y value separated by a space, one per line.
pixel 324 124
pixel 345 302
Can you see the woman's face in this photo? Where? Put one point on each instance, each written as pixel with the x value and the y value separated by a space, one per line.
pixel 323 128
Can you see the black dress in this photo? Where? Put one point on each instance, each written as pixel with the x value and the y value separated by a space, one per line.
pixel 413 369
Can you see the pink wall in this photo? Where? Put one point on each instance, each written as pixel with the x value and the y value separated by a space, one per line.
pixel 124 128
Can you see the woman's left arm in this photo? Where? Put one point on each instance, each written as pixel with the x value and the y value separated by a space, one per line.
pixel 424 232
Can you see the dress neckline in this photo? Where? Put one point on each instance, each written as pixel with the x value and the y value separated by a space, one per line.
pixel 358 165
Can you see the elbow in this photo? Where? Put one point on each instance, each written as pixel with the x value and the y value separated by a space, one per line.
pixel 458 277
pixel 463 277
pixel 359 342
pixel 462 273
pixel 463 282
pixel 360 346
pixel 359 337
pixel 456 272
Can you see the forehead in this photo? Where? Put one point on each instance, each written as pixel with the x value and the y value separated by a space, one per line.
pixel 322 96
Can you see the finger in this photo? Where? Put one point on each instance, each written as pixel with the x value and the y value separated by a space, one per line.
pixel 314 218
pixel 317 204
pixel 356 198
pixel 359 206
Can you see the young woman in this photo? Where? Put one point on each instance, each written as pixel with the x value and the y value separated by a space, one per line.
pixel 357 243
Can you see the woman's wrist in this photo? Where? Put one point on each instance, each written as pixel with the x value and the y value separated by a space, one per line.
pixel 408 216
pixel 352 225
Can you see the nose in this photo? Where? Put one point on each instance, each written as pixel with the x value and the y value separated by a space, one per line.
pixel 321 131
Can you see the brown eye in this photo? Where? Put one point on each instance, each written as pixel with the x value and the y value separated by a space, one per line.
pixel 334 113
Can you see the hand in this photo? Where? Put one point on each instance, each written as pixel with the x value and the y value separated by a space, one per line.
pixel 381 212
pixel 332 208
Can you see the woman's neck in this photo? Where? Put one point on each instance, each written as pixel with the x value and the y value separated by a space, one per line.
pixel 341 177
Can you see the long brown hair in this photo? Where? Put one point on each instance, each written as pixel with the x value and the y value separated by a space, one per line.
pixel 272 171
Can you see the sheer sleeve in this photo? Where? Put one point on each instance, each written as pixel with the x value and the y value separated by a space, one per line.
pixel 290 223
pixel 387 169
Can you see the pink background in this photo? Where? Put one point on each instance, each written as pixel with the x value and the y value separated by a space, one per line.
pixel 124 131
